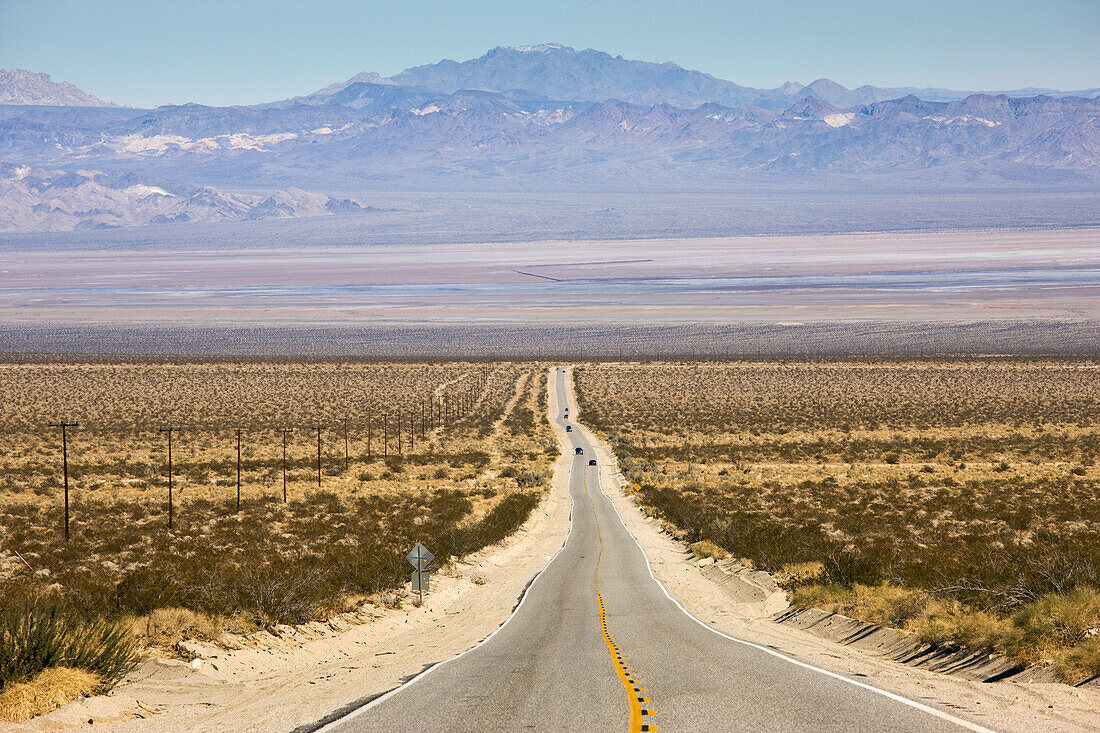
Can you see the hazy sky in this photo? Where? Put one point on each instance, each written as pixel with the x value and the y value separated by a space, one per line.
pixel 147 52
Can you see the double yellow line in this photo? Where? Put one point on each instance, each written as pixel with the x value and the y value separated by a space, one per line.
pixel 641 713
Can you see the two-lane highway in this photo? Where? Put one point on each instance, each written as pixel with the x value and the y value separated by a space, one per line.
pixel 596 644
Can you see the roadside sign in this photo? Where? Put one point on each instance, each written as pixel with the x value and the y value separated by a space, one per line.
pixel 420 557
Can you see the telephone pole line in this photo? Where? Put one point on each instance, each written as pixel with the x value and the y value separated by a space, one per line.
pixel 65 464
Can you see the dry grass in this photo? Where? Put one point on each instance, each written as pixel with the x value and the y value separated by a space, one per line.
pixel 707 549
pixel 955 498
pixel 48 690
pixel 163 628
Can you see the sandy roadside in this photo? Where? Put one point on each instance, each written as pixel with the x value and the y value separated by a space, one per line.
pixel 276 683
pixel 1005 705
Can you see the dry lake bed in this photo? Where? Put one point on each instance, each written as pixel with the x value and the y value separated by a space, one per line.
pixel 922 277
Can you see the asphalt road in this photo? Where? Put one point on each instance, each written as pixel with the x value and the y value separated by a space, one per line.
pixel 597 645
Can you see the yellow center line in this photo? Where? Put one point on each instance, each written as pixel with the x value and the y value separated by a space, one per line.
pixel 640 710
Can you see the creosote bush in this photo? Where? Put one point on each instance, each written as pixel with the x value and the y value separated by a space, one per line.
pixel 41 634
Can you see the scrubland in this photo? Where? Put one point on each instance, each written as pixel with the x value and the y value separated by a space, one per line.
pixel 956 499
pixel 455 455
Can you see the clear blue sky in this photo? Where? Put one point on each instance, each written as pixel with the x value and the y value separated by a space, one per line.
pixel 147 52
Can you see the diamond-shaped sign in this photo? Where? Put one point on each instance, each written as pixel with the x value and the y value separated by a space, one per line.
pixel 420 557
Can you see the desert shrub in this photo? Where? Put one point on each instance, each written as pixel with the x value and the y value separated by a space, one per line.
pixel 1053 622
pixel 531 479
pixel 164 627
pixel 706 548
pixel 38 635
pixel 1081 662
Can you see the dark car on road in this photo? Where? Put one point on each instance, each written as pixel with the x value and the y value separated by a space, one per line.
pixel 592 462
pixel 568 428
pixel 580 451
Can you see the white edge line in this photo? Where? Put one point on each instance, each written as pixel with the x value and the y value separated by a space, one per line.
pixel 523 599
pixel 893 696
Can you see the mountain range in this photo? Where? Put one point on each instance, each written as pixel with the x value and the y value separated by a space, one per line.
pixel 51 200
pixel 554 71
pixel 19 86
pixel 537 117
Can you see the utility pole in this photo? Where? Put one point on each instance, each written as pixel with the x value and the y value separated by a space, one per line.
pixel 170 508
pixel 238 470
pixel 399 418
pixel 369 459
pixel 65 465
pixel 385 435
pixel 284 431
pixel 345 445
pixel 319 429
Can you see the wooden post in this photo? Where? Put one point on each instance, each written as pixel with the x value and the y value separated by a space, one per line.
pixel 238 470
pixel 385 435
pixel 170 508
pixel 319 428
pixel 284 432
pixel 345 445
pixel 65 466
pixel 369 459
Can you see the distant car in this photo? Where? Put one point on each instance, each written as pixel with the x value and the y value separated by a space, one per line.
pixel 568 428
pixel 592 462
pixel 580 451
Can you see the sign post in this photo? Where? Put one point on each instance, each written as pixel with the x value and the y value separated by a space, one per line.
pixel 419 558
